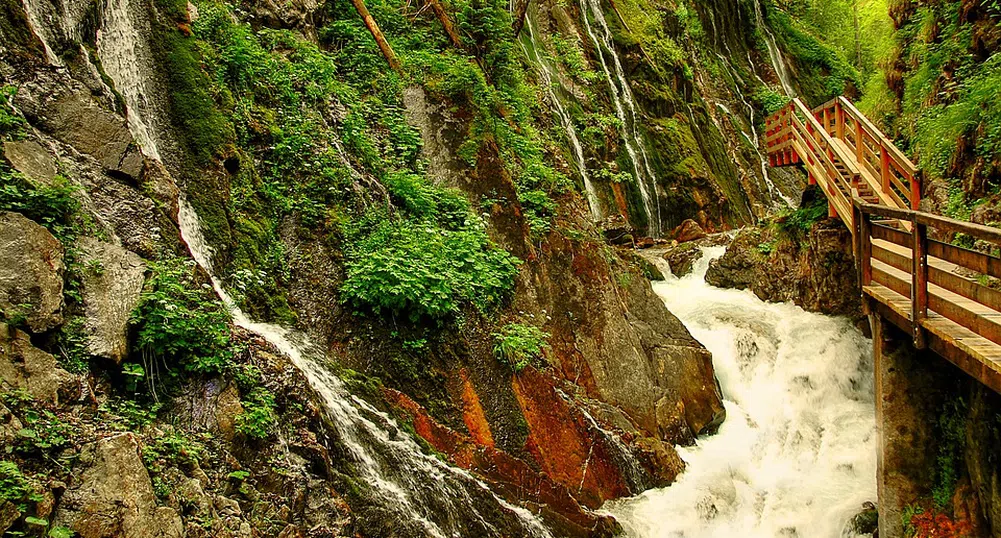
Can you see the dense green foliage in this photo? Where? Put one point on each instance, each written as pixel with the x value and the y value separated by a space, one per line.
pixel 258 417
pixel 937 94
pixel 181 321
pixel 519 346
pixel 951 429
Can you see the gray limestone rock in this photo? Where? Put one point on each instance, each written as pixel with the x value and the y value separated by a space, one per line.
pixel 112 283
pixel 113 495
pixel 27 367
pixel 32 160
pixel 31 273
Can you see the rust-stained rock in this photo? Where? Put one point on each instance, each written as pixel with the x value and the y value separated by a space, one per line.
pixel 568 452
pixel 472 414
pixel 511 477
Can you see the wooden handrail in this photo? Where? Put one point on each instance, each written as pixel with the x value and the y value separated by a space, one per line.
pixel 945 224
pixel 847 160
pixel 873 131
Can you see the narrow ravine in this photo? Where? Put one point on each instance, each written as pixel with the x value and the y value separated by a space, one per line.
pixel 796 456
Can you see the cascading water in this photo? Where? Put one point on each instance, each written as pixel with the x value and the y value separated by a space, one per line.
pixel 420 495
pixel 426 495
pixel 774 53
pixel 796 455
pixel 531 50
pixel 625 109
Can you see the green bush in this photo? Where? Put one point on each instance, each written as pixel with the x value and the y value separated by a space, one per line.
pixel 258 417
pixel 14 486
pixel 51 206
pixel 11 124
pixel 181 321
pixel 425 271
pixel 518 346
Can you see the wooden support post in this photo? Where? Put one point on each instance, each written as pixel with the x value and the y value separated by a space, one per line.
pixel 915 194
pixel 865 248
pixel 839 121
pixel 813 179
pixel 859 142
pixel 827 121
pixel 884 167
pixel 831 211
pixel 919 282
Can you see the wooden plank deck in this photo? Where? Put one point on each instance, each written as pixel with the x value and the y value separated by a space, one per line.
pixel 923 286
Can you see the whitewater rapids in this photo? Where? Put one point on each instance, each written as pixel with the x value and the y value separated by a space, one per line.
pixel 796 456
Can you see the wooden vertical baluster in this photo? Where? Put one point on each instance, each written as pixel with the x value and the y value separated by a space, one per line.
pixel 859 143
pixel 919 282
pixel 915 193
pixel 827 121
pixel 839 121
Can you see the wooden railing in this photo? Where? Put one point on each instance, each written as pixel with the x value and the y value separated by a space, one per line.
pixel 877 156
pixel 794 135
pixel 936 288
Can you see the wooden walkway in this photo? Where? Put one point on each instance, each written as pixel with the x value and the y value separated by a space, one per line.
pixel 934 290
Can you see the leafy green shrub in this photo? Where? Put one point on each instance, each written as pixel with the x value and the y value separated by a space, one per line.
pixel 415 267
pixel 14 486
pixel 770 101
pixel 800 221
pixel 43 432
pixel 258 417
pixel 518 345
pixel 51 206
pixel 181 321
pixel 11 124
pixel 172 448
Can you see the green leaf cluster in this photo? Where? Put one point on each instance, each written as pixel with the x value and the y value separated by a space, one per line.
pixel 179 319
pixel 258 418
pixel 518 345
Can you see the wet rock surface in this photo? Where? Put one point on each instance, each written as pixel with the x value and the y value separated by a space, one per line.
pixel 814 269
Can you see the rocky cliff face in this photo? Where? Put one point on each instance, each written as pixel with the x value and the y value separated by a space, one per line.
pixel 293 143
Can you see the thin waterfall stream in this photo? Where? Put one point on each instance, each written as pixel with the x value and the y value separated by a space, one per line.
pixel 796 456
pixel 625 110
pixel 774 53
pixel 531 50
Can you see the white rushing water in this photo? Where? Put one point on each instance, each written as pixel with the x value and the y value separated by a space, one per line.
pixel 418 494
pixel 796 456
pixel 774 53
pixel 625 109
pixel 531 50
pixel 424 494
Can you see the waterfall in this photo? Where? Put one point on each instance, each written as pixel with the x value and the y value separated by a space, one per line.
pixel 797 453
pixel 774 53
pixel 427 496
pixel 418 493
pixel 128 60
pixel 546 73
pixel 625 110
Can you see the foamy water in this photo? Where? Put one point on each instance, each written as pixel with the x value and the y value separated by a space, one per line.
pixel 796 456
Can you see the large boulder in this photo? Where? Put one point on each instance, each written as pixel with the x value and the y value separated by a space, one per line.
pixel 26 367
pixel 688 230
pixel 32 160
pixel 113 495
pixel 31 273
pixel 112 283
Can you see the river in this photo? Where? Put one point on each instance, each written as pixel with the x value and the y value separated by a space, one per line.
pixel 796 456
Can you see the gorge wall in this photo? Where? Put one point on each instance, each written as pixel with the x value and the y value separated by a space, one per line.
pixel 498 328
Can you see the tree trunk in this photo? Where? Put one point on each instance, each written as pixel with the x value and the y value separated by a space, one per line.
pixel 380 39
pixel 519 17
pixel 858 35
pixel 446 22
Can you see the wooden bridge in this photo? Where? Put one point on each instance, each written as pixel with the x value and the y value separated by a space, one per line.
pixel 908 270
